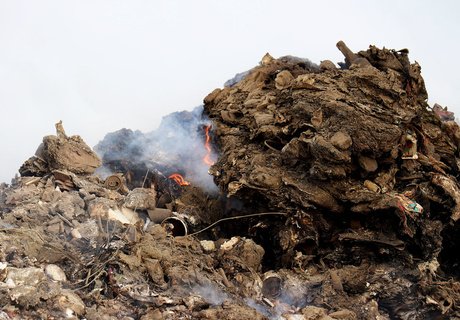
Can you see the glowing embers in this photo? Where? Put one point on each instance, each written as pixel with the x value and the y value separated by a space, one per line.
pixel 179 179
pixel 207 144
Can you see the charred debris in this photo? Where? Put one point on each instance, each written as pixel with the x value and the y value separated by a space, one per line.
pixel 298 191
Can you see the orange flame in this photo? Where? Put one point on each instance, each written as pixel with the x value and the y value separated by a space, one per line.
pixel 207 145
pixel 179 179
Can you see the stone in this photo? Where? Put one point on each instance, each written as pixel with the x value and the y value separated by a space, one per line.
pixel 314 313
pixel 155 270
pixel 343 314
pixel 55 273
pixel 368 164
pixel 266 59
pixel 25 276
pixel 341 140
pixel 283 80
pixel 70 303
pixel 208 245
pixel 327 65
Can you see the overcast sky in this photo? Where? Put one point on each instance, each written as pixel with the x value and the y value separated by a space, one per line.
pixel 101 65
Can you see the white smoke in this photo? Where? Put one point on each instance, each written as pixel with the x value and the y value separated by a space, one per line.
pixel 211 294
pixel 178 145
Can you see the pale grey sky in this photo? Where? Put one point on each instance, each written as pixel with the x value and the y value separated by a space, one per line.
pixel 101 65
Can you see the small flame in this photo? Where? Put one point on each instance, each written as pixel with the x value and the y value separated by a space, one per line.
pixel 179 179
pixel 207 145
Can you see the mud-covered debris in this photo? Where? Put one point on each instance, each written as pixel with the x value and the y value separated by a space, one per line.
pixel 63 153
pixel 69 304
pixel 141 199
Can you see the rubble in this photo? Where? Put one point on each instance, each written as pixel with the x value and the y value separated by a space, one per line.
pixel 338 199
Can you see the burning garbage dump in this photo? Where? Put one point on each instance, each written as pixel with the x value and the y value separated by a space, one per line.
pixel 298 191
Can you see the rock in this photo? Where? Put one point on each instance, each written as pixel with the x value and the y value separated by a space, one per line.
pixel 70 303
pixel 155 271
pixel 69 205
pixel 290 316
pixel 124 215
pixel 372 186
pixel 195 303
pixel 56 228
pixel 247 251
pixel 208 245
pixel 341 140
pixel 24 276
pixel 343 314
pixel 368 164
pixel 229 244
pixel 157 215
pixel 152 315
pixel 327 65
pixel 24 285
pixel 75 233
pixel 55 273
pixel 314 313
pixel 266 59
pixel 283 80
pixel 100 207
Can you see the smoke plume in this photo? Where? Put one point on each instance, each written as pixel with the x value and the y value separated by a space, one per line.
pixel 178 145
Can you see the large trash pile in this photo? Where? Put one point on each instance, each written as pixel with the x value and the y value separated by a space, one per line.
pixel 338 199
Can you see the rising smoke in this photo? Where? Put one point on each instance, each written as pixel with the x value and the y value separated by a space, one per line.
pixel 177 146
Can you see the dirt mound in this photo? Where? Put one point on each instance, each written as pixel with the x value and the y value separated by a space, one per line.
pixel 338 199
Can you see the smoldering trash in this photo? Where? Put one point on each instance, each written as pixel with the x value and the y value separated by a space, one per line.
pixel 297 191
